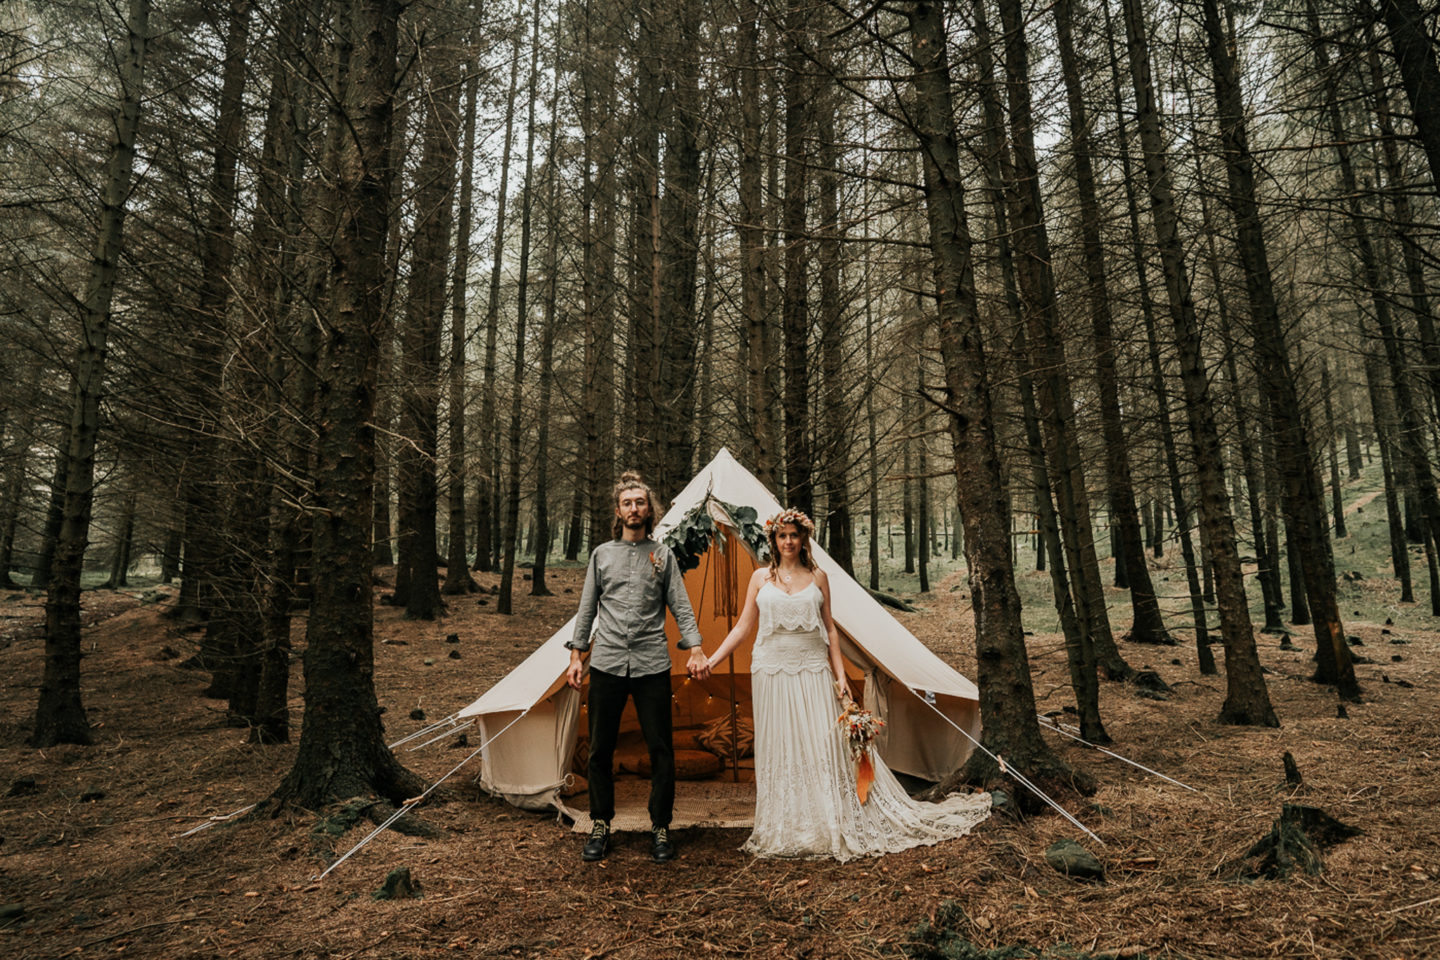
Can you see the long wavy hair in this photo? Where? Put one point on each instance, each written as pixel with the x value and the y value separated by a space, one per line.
pixel 803 525
pixel 631 480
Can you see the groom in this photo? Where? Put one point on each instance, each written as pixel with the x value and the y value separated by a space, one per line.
pixel 628 584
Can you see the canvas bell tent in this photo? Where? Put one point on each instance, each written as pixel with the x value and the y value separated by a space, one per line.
pixel 534 725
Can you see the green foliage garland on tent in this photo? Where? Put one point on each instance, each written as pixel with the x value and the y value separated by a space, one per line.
pixel 689 538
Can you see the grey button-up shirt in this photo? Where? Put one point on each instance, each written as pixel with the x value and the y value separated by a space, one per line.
pixel 628 585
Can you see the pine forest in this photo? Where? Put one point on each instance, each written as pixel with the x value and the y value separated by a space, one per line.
pixel 1097 338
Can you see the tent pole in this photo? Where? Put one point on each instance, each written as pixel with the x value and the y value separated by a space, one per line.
pixel 729 573
pixel 734 726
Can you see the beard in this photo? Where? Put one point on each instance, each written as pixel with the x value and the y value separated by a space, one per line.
pixel 636 524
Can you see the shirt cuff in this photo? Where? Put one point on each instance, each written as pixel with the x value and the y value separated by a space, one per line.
pixel 577 645
pixel 686 644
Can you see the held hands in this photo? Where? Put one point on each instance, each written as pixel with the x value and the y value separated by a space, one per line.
pixel 699 664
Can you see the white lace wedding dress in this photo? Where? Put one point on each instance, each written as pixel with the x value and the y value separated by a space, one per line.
pixel 805 799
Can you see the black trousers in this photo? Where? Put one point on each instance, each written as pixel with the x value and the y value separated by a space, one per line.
pixel 652 705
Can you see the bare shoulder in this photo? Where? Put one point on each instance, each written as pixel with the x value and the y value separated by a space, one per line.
pixel 759 577
pixel 821 577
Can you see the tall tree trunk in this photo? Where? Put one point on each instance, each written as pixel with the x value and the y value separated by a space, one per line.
pixel 872 454
pixel 1397 189
pixel 293 282
pixel 260 466
pixel 1415 55
pixel 799 491
pixel 1203 653
pixel 1267 551
pixel 170 555
pixel 1079 649
pixel 1050 364
pixel 54 517
pixel 457 566
pixel 677 248
pixel 124 538
pixel 575 529
pixel 10 509
pixel 1247 700
pixel 704 422
pixel 1382 418
pixel 547 355
pixel 642 374
pixel 210 562
pixel 1304 497
pixel 1007 698
pixel 342 750
pixel 1337 499
pixel 907 485
pixel 487 526
pixel 387 543
pixel 60 712
pixel 1412 438
pixel 382 535
pixel 1269 585
pixel 599 199
pixel 1148 626
pixel 761 405
pixel 505 603
pixel 922 532
pixel 832 328
pixel 434 200
pixel 1354 456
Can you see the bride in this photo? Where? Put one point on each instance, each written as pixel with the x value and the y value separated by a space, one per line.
pixel 806 802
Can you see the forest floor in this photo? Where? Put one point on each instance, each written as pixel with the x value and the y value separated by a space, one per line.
pixel 108 877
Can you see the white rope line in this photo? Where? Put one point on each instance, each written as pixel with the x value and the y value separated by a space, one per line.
pixel 1055 725
pixel 424 730
pixel 448 733
pixel 416 801
pixel 406 739
pixel 210 822
pixel 1005 768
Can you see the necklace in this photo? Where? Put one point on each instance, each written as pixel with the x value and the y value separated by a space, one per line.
pixel 785 577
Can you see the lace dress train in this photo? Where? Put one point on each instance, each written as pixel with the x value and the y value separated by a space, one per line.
pixel 805 798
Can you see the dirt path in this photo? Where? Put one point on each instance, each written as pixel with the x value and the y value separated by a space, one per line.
pixel 1362 502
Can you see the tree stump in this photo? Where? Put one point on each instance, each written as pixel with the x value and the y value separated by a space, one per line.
pixel 1292 772
pixel 398 885
pixel 1296 839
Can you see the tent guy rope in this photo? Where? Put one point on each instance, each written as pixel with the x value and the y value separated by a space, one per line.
pixel 210 822
pixel 1005 768
pixel 413 802
pixel 448 733
pixel 428 728
pixel 1057 727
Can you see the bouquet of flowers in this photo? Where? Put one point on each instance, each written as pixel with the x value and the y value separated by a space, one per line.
pixel 860 728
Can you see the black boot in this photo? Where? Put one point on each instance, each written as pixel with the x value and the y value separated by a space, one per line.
pixel 662 848
pixel 599 843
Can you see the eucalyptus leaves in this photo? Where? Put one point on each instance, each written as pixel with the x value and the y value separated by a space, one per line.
pixel 689 538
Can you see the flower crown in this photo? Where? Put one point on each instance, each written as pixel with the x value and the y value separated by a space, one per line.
pixel 789 515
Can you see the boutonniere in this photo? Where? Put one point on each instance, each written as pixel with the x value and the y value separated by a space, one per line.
pixel 656 564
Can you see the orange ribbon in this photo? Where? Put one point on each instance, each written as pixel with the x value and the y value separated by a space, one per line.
pixel 864 776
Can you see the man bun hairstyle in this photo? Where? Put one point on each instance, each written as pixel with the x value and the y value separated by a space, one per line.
pixel 631 480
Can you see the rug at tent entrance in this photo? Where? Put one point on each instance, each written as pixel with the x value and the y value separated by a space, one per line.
pixel 698 803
